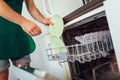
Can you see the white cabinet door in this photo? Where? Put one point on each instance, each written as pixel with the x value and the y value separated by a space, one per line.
pixel 62 7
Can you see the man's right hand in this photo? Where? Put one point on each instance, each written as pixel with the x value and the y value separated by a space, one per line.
pixel 31 28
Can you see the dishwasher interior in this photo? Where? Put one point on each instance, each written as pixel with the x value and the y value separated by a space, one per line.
pixel 91 55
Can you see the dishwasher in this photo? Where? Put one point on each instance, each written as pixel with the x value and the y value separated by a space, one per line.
pixel 88 43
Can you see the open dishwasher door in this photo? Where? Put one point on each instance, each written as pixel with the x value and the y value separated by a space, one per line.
pixel 22 74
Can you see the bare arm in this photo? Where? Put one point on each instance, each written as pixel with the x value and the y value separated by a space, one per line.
pixel 9 14
pixel 35 13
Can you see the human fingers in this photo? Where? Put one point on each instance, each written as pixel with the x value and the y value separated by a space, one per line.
pixel 31 33
pixel 37 31
pixel 34 32
pixel 49 21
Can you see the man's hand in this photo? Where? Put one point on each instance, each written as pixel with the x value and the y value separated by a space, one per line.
pixel 36 14
pixel 47 21
pixel 31 28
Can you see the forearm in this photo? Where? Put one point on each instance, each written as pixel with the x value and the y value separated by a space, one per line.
pixel 9 14
pixel 35 13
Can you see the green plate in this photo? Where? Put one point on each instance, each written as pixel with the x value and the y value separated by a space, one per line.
pixel 57 28
pixel 57 45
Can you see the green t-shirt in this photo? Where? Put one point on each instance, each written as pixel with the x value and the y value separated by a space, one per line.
pixel 14 42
